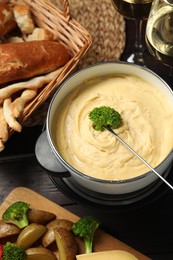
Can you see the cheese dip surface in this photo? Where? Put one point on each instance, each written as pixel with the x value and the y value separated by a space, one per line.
pixel 147 127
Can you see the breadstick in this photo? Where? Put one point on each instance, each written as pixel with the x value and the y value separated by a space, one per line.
pixel 33 83
pixel 3 130
pixel 19 103
pixel 8 115
pixel 3 127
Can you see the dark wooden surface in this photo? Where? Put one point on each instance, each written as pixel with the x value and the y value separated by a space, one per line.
pixel 147 227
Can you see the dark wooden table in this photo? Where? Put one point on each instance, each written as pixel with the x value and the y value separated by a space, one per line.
pixel 146 225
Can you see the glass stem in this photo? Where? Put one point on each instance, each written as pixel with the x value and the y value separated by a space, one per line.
pixel 138 57
pixel 138 49
pixel 138 39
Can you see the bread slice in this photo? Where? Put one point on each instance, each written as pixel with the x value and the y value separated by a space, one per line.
pixel 23 18
pixel 7 22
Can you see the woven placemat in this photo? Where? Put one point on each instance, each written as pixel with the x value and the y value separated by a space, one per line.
pixel 105 25
pixel 107 28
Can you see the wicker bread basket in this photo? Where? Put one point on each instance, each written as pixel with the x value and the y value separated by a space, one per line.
pixel 67 31
pixel 92 31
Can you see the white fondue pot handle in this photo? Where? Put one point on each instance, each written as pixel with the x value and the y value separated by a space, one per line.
pixel 47 159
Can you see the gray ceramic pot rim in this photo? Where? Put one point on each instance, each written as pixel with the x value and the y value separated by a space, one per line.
pixel 65 163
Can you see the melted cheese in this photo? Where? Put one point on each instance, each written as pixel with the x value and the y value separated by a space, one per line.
pixel 147 127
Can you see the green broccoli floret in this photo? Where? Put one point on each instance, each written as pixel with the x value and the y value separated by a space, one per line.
pixel 105 116
pixel 85 228
pixel 17 214
pixel 13 252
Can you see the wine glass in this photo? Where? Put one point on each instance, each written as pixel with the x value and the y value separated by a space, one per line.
pixel 159 31
pixel 137 10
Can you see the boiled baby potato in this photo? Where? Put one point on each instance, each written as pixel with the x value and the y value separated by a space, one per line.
pixel 39 253
pixel 8 229
pixel 40 216
pixel 48 238
pixel 66 243
pixel 64 223
pixel 30 234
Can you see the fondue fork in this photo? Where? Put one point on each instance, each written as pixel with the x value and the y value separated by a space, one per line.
pixel 137 155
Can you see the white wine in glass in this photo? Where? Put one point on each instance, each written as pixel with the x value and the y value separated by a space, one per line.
pixel 137 10
pixel 159 31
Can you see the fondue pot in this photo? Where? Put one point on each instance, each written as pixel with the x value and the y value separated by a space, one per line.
pixel 49 157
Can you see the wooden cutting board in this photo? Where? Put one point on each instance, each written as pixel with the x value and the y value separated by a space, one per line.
pixel 103 241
